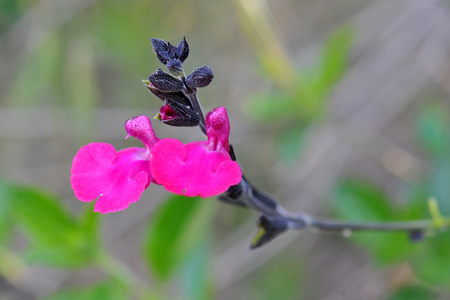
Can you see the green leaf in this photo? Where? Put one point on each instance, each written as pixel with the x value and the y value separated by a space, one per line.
pixel 439 186
pixel 432 261
pixel 334 59
pixel 413 292
pixel 176 228
pixel 433 129
pixel 108 290
pixel 5 212
pixel 57 239
pixel 358 201
pixel 43 218
pixel 198 287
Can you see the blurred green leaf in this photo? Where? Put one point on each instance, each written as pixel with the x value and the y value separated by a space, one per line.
pixel 433 129
pixel 90 227
pixel 439 186
pixel 109 290
pixel 432 261
pixel 10 11
pixel 71 256
pixel 198 287
pixel 334 59
pixel 57 239
pixel 359 201
pixel 307 99
pixel 5 212
pixel 413 292
pixel 176 228
pixel 42 216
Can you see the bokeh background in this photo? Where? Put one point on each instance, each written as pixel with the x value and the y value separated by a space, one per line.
pixel 338 108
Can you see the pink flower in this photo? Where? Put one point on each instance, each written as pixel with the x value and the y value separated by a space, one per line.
pixel 197 168
pixel 119 178
pixel 115 178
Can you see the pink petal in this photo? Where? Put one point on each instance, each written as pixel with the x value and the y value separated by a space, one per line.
pixel 140 127
pixel 117 179
pixel 192 169
pixel 218 128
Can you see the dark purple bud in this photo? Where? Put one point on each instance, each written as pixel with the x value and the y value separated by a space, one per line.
pixel 176 96
pixel 161 47
pixel 165 82
pixel 175 114
pixel 416 235
pixel 269 228
pixel 175 67
pixel 200 77
pixel 183 50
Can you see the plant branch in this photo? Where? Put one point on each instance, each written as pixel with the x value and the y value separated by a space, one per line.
pixel 335 225
pixel 192 95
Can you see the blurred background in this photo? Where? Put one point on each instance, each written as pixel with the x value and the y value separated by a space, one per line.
pixel 338 109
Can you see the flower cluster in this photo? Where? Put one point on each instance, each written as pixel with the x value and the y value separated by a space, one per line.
pixel 204 168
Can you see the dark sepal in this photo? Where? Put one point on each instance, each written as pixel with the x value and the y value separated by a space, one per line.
pixel 175 67
pixel 175 114
pixel 165 82
pixel 200 77
pixel 176 96
pixel 161 47
pixel 269 228
pixel 183 50
pixel 233 195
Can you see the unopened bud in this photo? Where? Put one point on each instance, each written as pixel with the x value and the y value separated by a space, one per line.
pixel 200 77
pixel 165 82
pixel 176 96
pixel 183 50
pixel 175 67
pixel 161 47
pixel 269 228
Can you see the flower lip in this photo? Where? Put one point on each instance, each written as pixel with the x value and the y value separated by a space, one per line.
pixel 193 169
pixel 140 127
pixel 117 179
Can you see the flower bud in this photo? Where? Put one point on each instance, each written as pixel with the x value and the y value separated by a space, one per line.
pixel 173 57
pixel 176 96
pixel 175 114
pixel 165 82
pixel 269 228
pixel 200 77
pixel 175 67
pixel 183 50
pixel 161 47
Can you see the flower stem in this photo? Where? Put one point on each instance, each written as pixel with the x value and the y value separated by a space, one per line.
pixel 197 107
pixel 192 95
pixel 333 225
pixel 301 221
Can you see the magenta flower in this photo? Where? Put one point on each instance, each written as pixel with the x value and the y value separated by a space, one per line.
pixel 115 178
pixel 119 178
pixel 197 168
